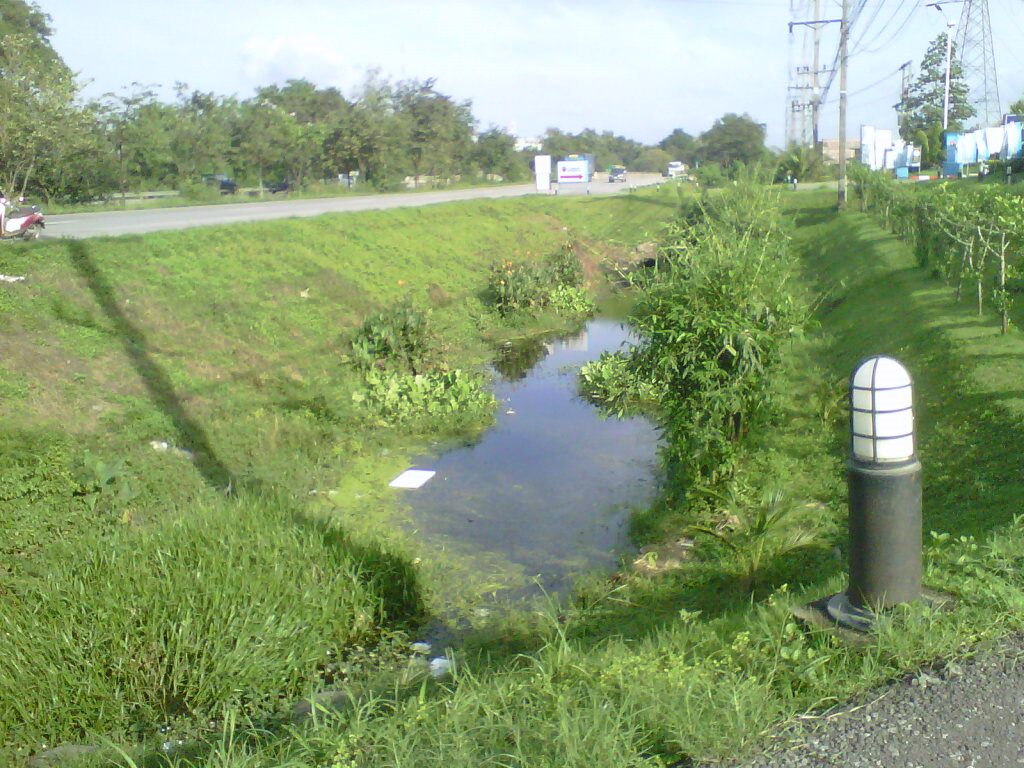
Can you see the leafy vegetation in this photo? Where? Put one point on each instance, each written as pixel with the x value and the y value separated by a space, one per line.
pixel 557 282
pixel 962 234
pixel 654 670
pixel 187 485
pixel 710 326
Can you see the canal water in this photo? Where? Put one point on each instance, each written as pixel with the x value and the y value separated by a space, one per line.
pixel 547 492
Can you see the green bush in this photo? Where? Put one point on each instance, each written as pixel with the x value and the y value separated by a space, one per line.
pixel 571 300
pixel 564 266
pixel 710 325
pixel 398 337
pixel 231 607
pixel 557 282
pixel 516 286
pixel 440 401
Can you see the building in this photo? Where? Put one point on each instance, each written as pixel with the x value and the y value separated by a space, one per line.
pixel 830 150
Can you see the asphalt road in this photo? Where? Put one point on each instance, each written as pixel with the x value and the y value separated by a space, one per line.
pixel 965 715
pixel 82 225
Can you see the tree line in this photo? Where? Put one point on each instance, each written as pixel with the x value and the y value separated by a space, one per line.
pixel 55 145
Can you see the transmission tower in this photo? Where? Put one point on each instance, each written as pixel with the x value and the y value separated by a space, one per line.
pixel 978 62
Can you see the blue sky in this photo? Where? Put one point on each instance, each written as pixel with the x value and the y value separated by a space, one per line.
pixel 640 69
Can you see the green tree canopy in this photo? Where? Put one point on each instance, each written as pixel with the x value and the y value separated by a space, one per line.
pixel 925 101
pixel 732 141
pixel 46 139
pixel 681 145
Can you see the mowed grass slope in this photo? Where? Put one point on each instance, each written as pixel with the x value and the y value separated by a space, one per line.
pixel 173 408
pixel 659 670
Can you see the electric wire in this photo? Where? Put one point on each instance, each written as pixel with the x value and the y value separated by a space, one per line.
pixel 899 30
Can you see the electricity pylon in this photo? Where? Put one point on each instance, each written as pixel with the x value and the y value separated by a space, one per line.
pixel 978 62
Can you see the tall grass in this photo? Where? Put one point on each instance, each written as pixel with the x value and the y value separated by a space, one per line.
pixel 232 606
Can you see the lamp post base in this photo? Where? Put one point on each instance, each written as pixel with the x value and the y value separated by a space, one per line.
pixel 846 614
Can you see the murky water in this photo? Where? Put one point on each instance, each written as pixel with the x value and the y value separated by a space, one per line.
pixel 548 491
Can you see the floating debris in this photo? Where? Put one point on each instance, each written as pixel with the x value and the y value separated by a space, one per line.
pixel 162 446
pixel 412 478
pixel 440 667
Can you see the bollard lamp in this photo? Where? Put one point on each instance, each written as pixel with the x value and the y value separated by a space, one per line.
pixel 881 413
pixel 884 480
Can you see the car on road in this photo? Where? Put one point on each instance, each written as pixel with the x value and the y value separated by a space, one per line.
pixel 617 173
pixel 224 183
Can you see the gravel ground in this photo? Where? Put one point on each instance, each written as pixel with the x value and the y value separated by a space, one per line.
pixel 969 714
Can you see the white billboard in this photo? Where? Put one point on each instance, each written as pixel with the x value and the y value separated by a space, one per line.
pixel 542 170
pixel 573 171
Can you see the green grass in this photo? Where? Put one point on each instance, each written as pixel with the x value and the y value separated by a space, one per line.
pixel 644 671
pixel 636 671
pixel 214 573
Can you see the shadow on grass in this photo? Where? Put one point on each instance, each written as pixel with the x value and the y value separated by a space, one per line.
pixel 191 435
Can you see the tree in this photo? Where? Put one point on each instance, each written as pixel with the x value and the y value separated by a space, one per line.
pixel 924 105
pixel 1017 108
pixel 681 145
pixel 439 129
pixel 653 160
pixel 495 153
pixel 263 131
pixel 39 119
pixel 201 139
pixel 732 141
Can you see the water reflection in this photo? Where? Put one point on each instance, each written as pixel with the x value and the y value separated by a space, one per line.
pixel 549 489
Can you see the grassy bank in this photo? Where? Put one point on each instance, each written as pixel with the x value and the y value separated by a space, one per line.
pixel 178 430
pixel 653 669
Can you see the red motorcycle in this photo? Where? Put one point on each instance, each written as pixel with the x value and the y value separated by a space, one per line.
pixel 23 223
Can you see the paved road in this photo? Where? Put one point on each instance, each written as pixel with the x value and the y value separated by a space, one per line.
pixel 82 225
pixel 968 715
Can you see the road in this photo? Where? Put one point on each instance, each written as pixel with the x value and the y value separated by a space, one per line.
pixel 966 715
pixel 82 225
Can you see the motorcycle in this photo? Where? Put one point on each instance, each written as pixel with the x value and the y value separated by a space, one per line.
pixel 24 223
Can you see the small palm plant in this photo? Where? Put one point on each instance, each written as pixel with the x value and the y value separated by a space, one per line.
pixel 760 531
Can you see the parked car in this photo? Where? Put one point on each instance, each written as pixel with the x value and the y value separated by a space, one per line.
pixel 617 173
pixel 278 186
pixel 224 183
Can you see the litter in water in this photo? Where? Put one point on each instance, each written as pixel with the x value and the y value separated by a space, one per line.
pixel 440 667
pixel 412 478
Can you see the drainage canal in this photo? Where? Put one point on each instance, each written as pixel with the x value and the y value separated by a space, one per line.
pixel 547 492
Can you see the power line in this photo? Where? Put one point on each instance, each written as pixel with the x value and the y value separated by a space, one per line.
pixel 899 30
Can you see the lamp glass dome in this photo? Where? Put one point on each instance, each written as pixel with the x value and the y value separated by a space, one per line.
pixel 881 411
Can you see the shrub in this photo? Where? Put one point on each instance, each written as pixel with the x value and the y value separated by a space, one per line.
pixel 558 283
pixel 571 300
pixel 564 266
pixel 710 325
pixel 397 337
pixel 516 286
pixel 440 400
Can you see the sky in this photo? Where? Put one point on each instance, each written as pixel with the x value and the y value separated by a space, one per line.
pixel 639 68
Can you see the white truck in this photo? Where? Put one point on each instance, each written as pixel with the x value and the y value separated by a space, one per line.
pixel 675 169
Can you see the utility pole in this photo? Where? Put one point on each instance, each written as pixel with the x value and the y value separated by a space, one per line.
pixel 815 84
pixel 844 33
pixel 901 108
pixel 949 61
